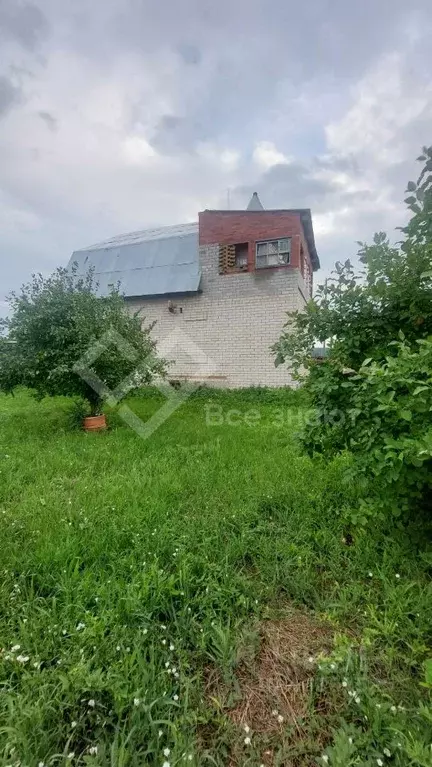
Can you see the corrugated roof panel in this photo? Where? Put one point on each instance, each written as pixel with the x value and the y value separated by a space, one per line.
pixel 154 262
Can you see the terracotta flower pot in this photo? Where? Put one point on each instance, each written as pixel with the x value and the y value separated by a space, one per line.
pixel 94 423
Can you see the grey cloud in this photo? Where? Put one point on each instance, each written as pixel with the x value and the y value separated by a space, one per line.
pixel 23 22
pixel 10 95
pixel 190 54
pixel 299 185
pixel 174 133
pixel 247 53
pixel 50 121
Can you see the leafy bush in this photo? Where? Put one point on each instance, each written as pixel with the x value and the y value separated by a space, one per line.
pixel 372 393
pixel 55 323
pixel 385 421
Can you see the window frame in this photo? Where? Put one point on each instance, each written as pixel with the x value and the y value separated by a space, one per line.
pixel 280 252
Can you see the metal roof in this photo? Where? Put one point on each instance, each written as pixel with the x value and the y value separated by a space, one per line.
pixel 151 262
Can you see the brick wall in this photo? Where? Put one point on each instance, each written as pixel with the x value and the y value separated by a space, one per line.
pixel 228 227
pixel 223 335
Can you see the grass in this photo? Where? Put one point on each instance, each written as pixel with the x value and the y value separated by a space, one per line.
pixel 149 583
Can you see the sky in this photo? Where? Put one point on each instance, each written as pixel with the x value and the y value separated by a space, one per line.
pixel 117 115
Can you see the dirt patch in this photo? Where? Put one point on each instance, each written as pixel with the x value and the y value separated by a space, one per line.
pixel 271 692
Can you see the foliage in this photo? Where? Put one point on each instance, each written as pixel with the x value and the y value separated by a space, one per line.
pixel 55 323
pixel 390 427
pixel 372 392
pixel 187 540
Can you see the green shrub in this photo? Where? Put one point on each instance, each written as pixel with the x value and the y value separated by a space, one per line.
pixel 55 322
pixel 372 393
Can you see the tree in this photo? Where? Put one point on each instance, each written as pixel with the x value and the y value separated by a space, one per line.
pixel 372 394
pixel 59 331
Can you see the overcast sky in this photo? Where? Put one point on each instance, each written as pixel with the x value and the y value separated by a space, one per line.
pixel 116 115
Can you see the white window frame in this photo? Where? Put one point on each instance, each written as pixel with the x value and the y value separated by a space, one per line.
pixel 281 256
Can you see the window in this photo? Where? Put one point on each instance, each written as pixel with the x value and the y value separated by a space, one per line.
pixel 241 255
pixel 233 258
pixel 273 253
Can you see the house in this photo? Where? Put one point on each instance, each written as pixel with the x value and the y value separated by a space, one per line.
pixel 218 290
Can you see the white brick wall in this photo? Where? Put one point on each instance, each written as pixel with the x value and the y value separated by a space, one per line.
pixel 223 335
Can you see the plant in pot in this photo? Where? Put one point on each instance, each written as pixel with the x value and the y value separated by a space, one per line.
pixel 61 339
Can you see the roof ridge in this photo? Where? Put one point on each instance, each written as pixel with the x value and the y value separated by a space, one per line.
pixel 144 235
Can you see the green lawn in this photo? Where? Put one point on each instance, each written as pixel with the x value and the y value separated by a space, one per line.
pixel 151 588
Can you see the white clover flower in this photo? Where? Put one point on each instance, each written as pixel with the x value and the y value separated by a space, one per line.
pixel 397 575
pixel 22 658
pixel 71 754
pixel 190 757
pixel 118 648
pixel 93 750
pixel 325 758
pixel 80 626
pixel 15 648
pixel 175 697
pixel 166 764
pixel 91 703
pixel 344 683
pixel 136 701
pixel 145 631
pixel 332 666
pixel 247 741
pixel 357 700
pixel 387 752
pixel 41 764
pixel 166 752
pixel 311 659
pixel 380 762
pixel 280 718
pixel 274 712
pixel 164 641
pixel 160 733
pixel 171 647
pixel 370 574
pixel 393 709
pixel 73 725
pixel 246 728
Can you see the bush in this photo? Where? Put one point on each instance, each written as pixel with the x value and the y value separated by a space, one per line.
pixel 64 340
pixel 385 421
pixel 372 393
